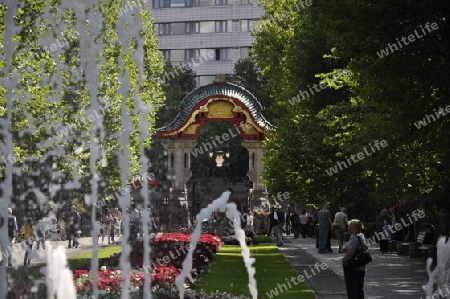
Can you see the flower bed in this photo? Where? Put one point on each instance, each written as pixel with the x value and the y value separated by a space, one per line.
pixel 167 255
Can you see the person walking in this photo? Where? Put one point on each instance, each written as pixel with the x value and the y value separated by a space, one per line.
pixel 295 224
pixel 249 225
pixel 340 226
pixel 107 223
pixel 385 237
pixel 280 216
pixel 40 235
pixel 324 218
pixel 27 233
pixel 118 214
pixel 12 232
pixel 272 221
pixel 354 278
pixel 392 221
pixel 289 221
pixel 74 224
pixel 134 222
pixel 304 224
pixel 312 221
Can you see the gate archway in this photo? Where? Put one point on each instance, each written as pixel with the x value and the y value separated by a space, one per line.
pixel 216 102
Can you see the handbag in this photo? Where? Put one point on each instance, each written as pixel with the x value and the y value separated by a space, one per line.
pixel 360 258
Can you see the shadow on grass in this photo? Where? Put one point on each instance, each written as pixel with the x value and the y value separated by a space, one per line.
pixel 83 259
pixel 274 275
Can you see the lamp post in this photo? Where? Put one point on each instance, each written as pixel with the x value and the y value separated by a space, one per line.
pixel 220 157
pixel 250 193
pixel 170 206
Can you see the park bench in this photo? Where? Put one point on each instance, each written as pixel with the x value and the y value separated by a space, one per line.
pixel 426 249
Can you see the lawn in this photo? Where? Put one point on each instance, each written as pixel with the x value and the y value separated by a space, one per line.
pixel 85 258
pixel 227 273
pixel 262 238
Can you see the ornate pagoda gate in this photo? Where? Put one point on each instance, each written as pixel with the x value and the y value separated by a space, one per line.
pixel 216 102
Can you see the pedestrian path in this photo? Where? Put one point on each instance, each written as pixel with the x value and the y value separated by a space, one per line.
pixel 389 276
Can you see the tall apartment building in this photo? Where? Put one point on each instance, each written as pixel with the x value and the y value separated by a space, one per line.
pixel 211 35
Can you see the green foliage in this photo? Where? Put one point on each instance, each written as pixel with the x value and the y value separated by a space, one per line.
pixel 55 120
pixel 247 75
pixel 366 98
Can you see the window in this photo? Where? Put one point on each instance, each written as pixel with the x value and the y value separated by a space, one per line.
pixel 192 27
pixel 191 3
pixel 223 54
pixel 177 55
pixel 208 54
pixel 245 2
pixel 164 29
pixel 191 54
pixel 246 25
pixel 206 2
pixel 207 27
pixel 177 3
pixel 161 3
pixel 221 26
pixel 221 2
pixel 177 28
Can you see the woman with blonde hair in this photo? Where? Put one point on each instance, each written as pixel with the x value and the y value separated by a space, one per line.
pixel 354 277
pixel 27 233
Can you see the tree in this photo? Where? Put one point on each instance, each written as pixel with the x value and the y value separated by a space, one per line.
pixel 247 75
pixel 377 88
pixel 50 58
pixel 177 81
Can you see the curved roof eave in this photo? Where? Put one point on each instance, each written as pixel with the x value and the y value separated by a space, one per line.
pixel 216 89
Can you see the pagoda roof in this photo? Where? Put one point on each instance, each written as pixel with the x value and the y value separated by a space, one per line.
pixel 220 89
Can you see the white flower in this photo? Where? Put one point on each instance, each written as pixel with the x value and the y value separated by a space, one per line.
pixel 103 268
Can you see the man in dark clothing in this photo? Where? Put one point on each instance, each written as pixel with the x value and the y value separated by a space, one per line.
pixel 74 224
pixel 280 216
pixel 272 221
pixel 296 224
pixel 324 218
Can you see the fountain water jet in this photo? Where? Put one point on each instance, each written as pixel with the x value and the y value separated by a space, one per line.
pixel 222 204
pixel 10 82
pixel 58 274
pixel 92 22
pixel 439 279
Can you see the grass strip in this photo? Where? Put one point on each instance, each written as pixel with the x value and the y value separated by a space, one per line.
pixel 85 258
pixel 262 238
pixel 227 273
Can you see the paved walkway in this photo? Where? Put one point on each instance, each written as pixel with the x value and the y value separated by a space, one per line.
pixel 389 276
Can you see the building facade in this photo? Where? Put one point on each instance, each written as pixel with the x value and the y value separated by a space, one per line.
pixel 210 35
